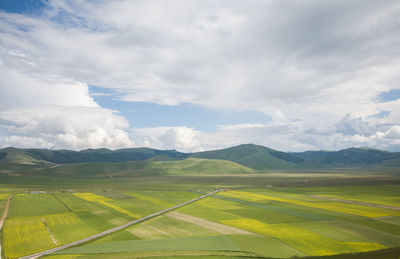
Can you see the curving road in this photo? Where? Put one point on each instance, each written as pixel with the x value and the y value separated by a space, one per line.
pixel 114 229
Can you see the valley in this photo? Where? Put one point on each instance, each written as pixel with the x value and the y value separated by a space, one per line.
pixel 129 210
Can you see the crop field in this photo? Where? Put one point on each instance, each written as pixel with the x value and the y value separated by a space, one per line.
pixel 266 222
pixel 60 218
pixel 273 223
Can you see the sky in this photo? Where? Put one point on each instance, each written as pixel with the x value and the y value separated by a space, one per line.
pixel 201 74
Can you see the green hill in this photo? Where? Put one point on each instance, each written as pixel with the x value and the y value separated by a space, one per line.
pixel 34 156
pixel 255 156
pixel 17 156
pixel 248 155
pixel 190 166
pixel 351 157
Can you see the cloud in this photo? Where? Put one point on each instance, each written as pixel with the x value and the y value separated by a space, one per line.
pixel 393 132
pixel 180 138
pixel 316 68
pixel 240 126
pixel 55 113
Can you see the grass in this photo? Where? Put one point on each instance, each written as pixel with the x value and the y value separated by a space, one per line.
pixel 60 226
pixel 106 202
pixel 167 227
pixel 91 213
pixel 156 201
pixel 209 243
pixel 28 205
pixel 326 205
pixel 266 246
pixel 302 239
pixel 287 221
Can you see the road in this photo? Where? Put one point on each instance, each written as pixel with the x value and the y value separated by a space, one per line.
pixel 114 229
pixel 4 217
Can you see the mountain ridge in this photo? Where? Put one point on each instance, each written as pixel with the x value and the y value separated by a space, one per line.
pixel 250 155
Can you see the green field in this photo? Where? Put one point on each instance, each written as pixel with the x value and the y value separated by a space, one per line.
pixel 250 219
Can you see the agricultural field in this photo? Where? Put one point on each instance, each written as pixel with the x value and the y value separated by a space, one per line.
pixel 60 218
pixel 254 222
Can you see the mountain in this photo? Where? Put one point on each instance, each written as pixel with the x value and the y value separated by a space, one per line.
pixel 248 155
pixel 255 156
pixel 12 155
pixel 190 166
pixel 35 156
pixel 351 157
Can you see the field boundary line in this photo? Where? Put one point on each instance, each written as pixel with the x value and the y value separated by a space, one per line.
pixel 369 204
pixel 48 229
pixel 4 217
pixel 112 230
pixel 63 203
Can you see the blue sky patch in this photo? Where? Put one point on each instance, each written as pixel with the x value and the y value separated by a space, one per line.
pixel 22 6
pixel 391 95
pixel 145 114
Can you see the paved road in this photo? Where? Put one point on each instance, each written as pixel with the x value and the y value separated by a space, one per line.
pixel 114 229
pixel 4 217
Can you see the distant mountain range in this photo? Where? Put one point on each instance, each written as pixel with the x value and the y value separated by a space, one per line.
pixel 248 155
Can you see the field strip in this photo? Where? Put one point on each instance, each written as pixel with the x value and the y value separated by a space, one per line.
pixel 4 217
pixel 48 229
pixel 356 202
pixel 217 227
pixel 101 234
pixel 63 203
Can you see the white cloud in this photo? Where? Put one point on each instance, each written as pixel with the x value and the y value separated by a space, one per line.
pixel 315 67
pixel 240 126
pixel 393 132
pixel 43 111
pixel 180 138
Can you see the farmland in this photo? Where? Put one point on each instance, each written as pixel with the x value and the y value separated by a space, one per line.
pixel 276 215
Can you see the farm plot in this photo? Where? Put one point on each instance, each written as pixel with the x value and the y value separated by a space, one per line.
pixel 22 236
pixel 62 218
pixel 106 202
pixel 168 227
pixel 383 195
pixel 302 239
pixel 29 205
pixel 334 206
pixel 251 222
pixel 208 243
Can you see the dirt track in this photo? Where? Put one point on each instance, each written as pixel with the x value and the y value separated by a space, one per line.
pixel 217 227
pixel 4 217
pixel 357 202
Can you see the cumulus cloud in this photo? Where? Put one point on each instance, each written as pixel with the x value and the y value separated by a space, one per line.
pixel 180 138
pixel 55 113
pixel 315 67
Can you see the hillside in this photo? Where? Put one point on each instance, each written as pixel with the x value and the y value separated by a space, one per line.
pixel 255 156
pixel 190 166
pixel 248 155
pixel 35 156
pixel 351 157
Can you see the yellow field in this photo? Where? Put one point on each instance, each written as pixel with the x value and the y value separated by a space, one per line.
pixel 104 201
pixel 327 205
pixel 23 236
pixel 302 239
pixel 4 196
pixel 150 199
pixel 61 224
